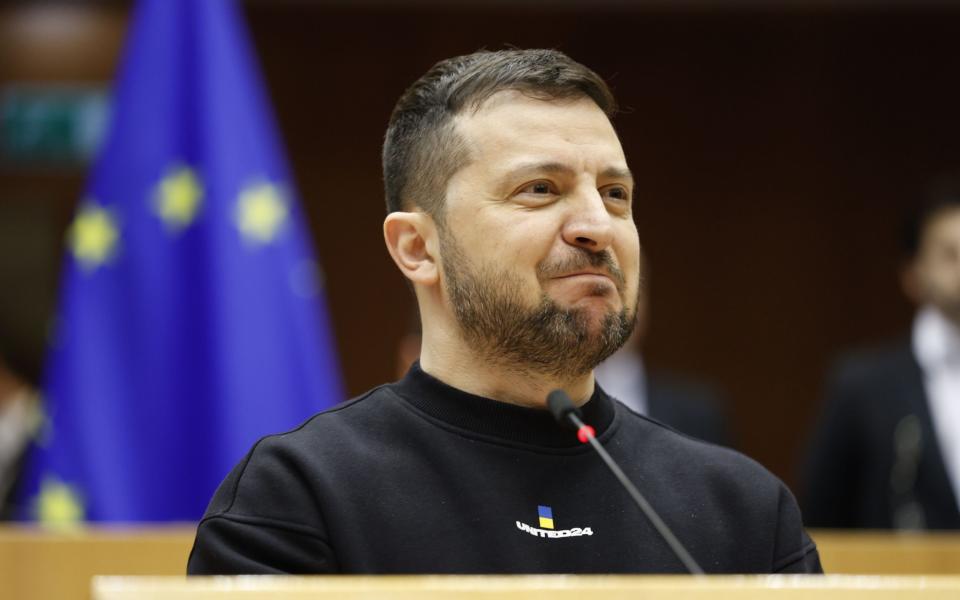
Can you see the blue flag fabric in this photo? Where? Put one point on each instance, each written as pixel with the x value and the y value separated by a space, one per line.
pixel 191 318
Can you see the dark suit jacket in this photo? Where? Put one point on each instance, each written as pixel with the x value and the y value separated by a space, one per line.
pixel 874 460
pixel 687 406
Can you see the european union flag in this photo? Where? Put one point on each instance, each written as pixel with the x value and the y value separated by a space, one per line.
pixel 191 319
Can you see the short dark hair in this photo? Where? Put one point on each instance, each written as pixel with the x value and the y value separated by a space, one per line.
pixel 942 195
pixel 422 150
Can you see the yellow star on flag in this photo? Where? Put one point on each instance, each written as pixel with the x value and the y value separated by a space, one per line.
pixel 58 505
pixel 93 236
pixel 261 211
pixel 178 197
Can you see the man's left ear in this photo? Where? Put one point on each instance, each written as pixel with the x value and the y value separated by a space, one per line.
pixel 411 241
pixel 910 282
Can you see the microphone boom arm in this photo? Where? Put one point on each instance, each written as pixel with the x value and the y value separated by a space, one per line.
pixel 661 527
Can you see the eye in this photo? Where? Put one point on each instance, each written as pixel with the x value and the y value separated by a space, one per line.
pixel 616 192
pixel 537 193
pixel 538 187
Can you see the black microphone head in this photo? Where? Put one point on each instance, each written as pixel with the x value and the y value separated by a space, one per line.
pixel 561 406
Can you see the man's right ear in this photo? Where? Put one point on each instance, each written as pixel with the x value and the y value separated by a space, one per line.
pixel 411 239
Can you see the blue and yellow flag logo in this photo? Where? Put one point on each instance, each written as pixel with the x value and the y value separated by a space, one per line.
pixel 546 516
pixel 547 528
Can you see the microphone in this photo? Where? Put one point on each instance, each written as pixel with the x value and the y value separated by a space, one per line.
pixel 567 414
pixel 907 512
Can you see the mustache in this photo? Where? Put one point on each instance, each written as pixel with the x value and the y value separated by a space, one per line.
pixel 582 259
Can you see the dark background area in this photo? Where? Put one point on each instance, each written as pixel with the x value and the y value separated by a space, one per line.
pixel 777 147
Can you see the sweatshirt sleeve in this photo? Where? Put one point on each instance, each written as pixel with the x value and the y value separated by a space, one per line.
pixel 262 520
pixel 794 552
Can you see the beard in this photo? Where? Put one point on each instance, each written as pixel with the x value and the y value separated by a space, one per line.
pixel 545 338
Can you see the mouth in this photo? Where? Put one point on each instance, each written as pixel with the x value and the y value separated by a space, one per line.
pixel 585 266
pixel 597 276
pixel 591 284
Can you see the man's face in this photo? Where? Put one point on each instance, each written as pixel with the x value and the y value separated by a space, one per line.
pixel 539 251
pixel 937 266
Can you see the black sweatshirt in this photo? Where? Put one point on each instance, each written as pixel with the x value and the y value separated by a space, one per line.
pixel 419 477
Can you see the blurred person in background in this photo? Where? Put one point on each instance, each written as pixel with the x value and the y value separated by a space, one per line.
pixel 886 453
pixel 19 422
pixel 685 403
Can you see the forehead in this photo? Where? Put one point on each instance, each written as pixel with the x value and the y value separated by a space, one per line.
pixel 510 126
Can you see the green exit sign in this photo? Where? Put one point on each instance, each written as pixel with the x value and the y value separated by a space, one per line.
pixel 51 124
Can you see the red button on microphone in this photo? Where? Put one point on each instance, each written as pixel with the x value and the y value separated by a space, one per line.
pixel 585 433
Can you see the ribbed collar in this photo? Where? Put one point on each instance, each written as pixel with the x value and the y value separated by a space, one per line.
pixel 495 419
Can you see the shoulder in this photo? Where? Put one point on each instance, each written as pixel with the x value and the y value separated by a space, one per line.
pixel 266 480
pixel 681 396
pixel 866 365
pixel 686 455
pixel 861 382
pixel 674 384
pixel 337 425
pixel 720 494
pixel 265 516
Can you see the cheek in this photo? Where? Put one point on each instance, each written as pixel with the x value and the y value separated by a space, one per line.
pixel 937 280
pixel 508 247
pixel 523 241
pixel 629 257
pixel 629 252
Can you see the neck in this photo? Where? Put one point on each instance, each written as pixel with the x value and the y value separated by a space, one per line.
pixel 450 359
pixel 953 318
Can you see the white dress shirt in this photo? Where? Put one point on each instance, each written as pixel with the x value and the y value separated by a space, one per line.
pixel 623 377
pixel 19 420
pixel 936 344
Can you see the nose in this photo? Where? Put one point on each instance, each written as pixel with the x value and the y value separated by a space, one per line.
pixel 589 225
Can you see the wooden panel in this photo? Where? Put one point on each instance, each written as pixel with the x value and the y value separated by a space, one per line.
pixel 38 564
pixel 889 553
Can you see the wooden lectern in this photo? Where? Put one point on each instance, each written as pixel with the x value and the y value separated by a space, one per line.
pixel 533 587
pixel 36 564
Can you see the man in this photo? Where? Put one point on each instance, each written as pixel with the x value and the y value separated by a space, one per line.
pixel 509 203
pixel 887 452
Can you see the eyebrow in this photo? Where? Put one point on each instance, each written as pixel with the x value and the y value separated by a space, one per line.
pixel 564 169
pixel 617 173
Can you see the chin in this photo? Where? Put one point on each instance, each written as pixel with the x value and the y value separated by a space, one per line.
pixel 596 316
